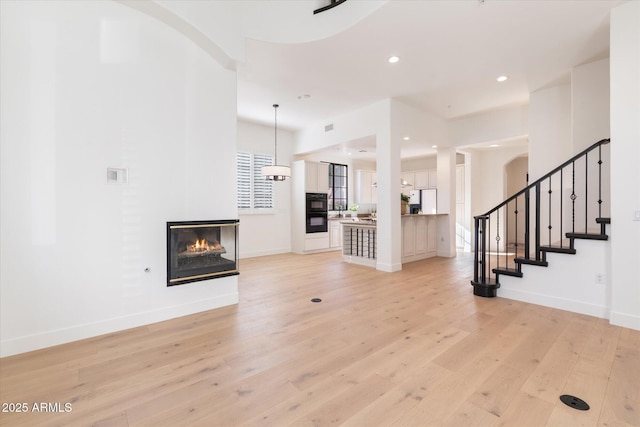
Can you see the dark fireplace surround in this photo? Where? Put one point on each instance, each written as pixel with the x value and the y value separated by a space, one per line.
pixel 201 250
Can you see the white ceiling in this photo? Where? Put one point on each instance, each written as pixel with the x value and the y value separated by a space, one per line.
pixel 451 53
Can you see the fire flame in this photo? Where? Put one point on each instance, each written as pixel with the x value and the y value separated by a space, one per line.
pixel 203 245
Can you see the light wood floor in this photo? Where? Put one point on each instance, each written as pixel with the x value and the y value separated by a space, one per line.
pixel 412 348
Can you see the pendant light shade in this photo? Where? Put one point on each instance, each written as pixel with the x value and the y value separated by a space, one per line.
pixel 276 172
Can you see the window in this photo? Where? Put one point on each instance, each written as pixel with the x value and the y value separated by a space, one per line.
pixel 253 190
pixel 338 186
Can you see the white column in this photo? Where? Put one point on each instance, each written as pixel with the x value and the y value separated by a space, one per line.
pixel 446 159
pixel 389 257
pixel 625 157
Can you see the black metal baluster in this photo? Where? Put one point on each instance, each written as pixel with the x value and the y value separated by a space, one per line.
pixel 537 221
pixel 516 220
pixel 489 248
pixel 561 203
pixel 506 235
pixel 586 190
pixel 573 197
pixel 498 238
pixel 550 226
pixel 527 223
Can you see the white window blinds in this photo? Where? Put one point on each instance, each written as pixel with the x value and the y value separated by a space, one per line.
pixel 254 191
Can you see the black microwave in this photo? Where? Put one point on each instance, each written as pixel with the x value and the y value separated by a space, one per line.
pixel 316 203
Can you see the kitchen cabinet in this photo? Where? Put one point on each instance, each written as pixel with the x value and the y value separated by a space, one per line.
pixel 307 177
pixel 335 234
pixel 316 177
pixel 418 237
pixel 365 191
pixel 420 180
pixel 316 242
pixel 433 178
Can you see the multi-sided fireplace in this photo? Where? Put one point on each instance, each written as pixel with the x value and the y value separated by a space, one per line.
pixel 201 250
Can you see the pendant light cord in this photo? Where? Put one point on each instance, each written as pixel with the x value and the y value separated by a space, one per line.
pixel 275 107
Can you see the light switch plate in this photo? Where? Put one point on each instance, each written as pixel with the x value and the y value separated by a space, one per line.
pixel 117 176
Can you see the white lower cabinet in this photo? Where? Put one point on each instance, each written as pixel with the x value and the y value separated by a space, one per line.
pixel 335 234
pixel 316 241
pixel 418 237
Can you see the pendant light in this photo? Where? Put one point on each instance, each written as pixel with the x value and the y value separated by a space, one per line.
pixel 276 172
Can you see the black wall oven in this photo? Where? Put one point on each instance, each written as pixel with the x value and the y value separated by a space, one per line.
pixel 316 213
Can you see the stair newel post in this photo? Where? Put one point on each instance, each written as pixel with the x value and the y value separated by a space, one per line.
pixel 482 285
pixel 476 251
pixel 483 254
pixel 600 181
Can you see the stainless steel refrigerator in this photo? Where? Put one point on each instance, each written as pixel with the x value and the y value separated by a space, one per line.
pixel 423 200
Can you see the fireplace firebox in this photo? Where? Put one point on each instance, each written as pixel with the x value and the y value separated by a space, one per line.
pixel 201 250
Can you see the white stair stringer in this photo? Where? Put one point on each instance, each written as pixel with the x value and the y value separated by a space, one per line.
pixel 569 282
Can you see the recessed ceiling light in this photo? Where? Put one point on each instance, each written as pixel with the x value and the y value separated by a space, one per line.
pixel 393 59
pixel 494 145
pixel 406 138
pixel 434 146
pixel 502 79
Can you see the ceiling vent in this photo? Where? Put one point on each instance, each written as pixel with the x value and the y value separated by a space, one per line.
pixel 328 128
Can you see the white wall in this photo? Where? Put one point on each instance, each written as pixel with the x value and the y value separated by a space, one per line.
pixel 86 86
pixel 625 158
pixel 502 124
pixel 266 233
pixel 549 129
pixel 419 163
pixel 567 283
pixel 590 104
pixel 488 184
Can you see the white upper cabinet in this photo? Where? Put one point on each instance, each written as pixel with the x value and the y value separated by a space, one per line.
pixel 316 177
pixel 366 192
pixel 420 180
pixel 433 178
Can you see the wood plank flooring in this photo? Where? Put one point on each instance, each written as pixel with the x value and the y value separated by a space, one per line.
pixel 412 348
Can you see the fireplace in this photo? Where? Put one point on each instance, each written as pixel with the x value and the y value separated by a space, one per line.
pixel 201 250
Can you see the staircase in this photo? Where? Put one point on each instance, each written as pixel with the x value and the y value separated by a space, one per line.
pixel 567 204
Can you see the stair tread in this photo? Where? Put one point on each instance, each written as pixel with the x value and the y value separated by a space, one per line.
pixel 558 249
pixel 529 261
pixel 603 220
pixel 588 236
pixel 508 271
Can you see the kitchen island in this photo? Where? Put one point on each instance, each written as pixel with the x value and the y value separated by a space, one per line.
pixel 359 242
pixel 419 239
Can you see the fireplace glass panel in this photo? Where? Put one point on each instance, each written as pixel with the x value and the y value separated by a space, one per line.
pixel 201 250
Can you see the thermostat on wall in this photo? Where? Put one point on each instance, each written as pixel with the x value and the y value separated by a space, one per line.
pixel 117 176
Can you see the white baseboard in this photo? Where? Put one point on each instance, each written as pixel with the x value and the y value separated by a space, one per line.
pixel 265 252
pixel 555 302
pixel 389 268
pixel 625 320
pixel 61 336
